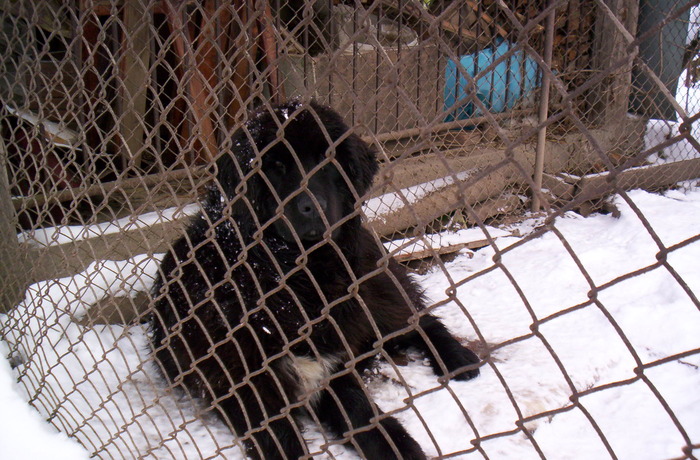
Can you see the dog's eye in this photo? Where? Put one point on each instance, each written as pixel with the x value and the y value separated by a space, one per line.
pixel 279 167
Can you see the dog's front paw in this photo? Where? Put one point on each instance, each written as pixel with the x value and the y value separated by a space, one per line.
pixel 463 363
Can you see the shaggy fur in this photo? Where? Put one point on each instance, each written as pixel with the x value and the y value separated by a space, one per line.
pixel 276 287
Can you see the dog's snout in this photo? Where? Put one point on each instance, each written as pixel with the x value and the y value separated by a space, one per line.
pixel 307 207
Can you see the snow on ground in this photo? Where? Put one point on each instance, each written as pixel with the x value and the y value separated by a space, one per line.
pixel 23 434
pixel 102 389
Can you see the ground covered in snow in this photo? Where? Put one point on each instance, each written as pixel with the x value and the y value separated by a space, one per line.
pixel 585 356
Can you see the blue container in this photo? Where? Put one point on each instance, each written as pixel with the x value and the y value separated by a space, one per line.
pixel 499 89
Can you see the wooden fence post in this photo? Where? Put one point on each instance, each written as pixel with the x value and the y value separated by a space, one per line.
pixel 616 26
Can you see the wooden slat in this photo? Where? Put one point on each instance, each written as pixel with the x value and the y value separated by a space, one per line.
pixel 653 177
pixel 199 92
pixel 134 69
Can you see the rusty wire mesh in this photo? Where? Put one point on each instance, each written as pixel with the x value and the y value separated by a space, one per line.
pixel 480 111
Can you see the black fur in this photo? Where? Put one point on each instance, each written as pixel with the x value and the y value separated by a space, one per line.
pixel 277 272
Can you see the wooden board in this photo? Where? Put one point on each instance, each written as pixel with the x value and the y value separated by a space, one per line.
pixel 652 177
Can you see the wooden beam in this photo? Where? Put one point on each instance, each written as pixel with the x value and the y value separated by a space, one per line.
pixel 616 25
pixel 558 186
pixel 134 69
pixel 59 260
pixel 459 195
pixel 197 176
pixel 195 78
pixel 651 177
pixel 13 273
pixel 424 253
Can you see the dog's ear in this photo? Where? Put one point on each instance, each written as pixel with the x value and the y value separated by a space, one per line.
pixel 238 159
pixel 232 166
pixel 362 161
pixel 227 173
pixel 357 157
pixel 235 162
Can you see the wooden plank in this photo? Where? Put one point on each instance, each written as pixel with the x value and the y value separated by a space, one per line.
pixel 406 172
pixel 441 250
pixel 558 187
pixel 234 41
pixel 195 178
pixel 463 193
pixel 494 207
pixel 610 98
pixel 134 69
pixel 429 245
pixel 59 260
pixel 653 177
pixel 13 273
pixel 199 93
pixel 90 64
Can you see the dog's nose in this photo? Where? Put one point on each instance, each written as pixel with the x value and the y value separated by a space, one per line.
pixel 307 207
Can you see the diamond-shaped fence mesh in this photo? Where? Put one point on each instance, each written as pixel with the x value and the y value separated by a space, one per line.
pixel 287 228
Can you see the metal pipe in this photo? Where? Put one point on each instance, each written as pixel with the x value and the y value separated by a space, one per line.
pixel 543 110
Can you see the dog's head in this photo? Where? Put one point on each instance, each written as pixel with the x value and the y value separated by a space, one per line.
pixel 298 170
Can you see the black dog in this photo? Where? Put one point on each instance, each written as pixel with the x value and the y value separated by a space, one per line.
pixel 277 300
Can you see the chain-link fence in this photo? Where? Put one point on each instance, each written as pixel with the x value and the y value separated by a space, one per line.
pixel 277 325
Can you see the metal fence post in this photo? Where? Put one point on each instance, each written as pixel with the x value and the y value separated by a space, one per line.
pixel 543 110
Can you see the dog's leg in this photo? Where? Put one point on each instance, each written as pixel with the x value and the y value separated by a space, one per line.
pixel 344 406
pixel 450 352
pixel 247 412
pixel 452 355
